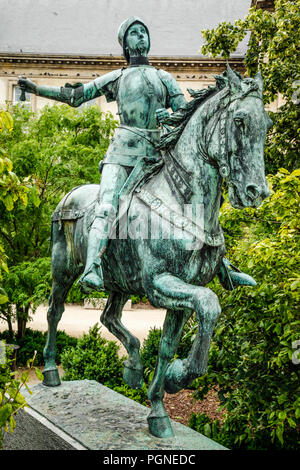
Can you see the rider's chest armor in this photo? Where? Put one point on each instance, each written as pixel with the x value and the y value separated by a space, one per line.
pixel 140 94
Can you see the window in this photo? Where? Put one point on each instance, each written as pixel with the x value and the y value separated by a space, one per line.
pixel 87 103
pixel 17 97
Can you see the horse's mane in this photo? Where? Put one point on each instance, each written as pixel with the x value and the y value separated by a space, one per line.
pixel 181 117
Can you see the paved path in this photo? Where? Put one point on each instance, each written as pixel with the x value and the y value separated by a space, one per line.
pixel 77 320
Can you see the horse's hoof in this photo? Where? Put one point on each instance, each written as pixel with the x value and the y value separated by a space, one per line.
pixel 160 426
pixel 174 376
pixel 51 377
pixel 133 377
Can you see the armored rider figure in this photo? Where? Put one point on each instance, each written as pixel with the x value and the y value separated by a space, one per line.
pixel 143 94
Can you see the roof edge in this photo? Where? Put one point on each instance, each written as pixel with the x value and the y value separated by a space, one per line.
pixel 112 62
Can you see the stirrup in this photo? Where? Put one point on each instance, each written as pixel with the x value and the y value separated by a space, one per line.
pixel 92 280
pixel 231 277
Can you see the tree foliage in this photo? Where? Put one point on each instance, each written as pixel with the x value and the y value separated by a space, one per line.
pixel 27 285
pixel 52 152
pixel 252 359
pixel 273 48
pixel 55 150
pixel 11 189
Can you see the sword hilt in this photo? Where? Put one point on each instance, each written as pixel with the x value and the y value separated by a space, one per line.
pixel 23 96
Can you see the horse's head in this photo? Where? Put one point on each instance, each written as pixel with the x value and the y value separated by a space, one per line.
pixel 237 143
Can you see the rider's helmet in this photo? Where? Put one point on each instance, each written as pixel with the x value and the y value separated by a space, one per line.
pixel 123 30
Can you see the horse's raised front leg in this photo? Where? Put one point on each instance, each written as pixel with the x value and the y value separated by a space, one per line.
pixel 158 419
pixel 111 318
pixel 173 293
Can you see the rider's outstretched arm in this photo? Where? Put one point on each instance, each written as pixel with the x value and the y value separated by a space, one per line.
pixel 74 95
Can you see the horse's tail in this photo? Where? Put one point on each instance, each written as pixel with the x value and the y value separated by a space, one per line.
pixel 51 237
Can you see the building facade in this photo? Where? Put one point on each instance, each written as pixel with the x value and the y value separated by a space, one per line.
pixel 54 42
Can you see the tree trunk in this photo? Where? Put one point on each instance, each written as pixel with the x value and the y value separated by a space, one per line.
pixel 7 315
pixel 22 316
pixel 10 328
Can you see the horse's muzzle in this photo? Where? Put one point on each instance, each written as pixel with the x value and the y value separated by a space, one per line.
pixel 254 192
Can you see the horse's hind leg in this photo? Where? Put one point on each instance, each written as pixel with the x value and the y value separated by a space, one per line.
pixel 55 311
pixel 111 318
pixel 64 274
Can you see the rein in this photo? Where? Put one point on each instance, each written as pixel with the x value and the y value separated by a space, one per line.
pixel 221 118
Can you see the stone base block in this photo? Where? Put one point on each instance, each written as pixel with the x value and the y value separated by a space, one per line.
pixel 100 304
pixel 84 414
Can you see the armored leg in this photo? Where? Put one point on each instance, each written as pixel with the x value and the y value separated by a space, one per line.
pixel 92 276
pixel 113 178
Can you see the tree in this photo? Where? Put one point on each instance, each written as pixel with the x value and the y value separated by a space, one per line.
pixel 273 49
pixel 11 190
pixel 27 285
pixel 52 152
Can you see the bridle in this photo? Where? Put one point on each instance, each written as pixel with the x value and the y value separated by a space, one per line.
pixel 221 118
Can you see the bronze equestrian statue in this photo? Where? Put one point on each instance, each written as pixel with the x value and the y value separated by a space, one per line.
pixel 141 232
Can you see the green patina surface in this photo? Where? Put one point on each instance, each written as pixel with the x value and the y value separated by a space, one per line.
pixel 158 180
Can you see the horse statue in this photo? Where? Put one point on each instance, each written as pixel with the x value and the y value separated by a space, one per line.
pixel 219 135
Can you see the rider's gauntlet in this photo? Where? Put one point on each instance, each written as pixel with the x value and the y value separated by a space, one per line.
pixel 70 94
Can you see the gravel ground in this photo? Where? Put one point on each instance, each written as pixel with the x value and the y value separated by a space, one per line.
pixel 77 320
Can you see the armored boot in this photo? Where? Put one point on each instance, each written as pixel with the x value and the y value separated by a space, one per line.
pixel 92 277
pixel 231 277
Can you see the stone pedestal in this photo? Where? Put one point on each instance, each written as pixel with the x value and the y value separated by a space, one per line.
pixel 100 304
pixel 84 414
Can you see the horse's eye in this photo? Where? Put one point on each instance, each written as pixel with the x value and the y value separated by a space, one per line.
pixel 239 122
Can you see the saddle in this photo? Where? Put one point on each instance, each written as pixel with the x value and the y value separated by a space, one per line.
pixel 72 208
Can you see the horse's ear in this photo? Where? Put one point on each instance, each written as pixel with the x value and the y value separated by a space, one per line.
pixel 233 80
pixel 259 80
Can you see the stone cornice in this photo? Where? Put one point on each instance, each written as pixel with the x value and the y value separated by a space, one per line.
pixel 114 62
pixel 263 4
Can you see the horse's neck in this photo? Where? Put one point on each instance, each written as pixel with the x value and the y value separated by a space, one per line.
pixel 205 181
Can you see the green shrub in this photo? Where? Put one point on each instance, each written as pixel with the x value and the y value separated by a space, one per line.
pixel 205 425
pixel 5 336
pixel 63 342
pixel 149 349
pixel 136 299
pixel 93 358
pixel 34 340
pixel 139 395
